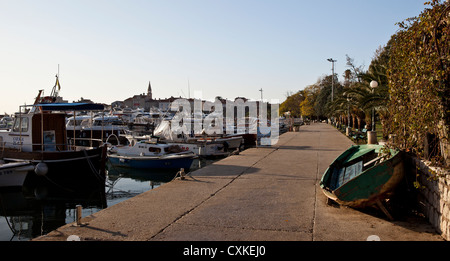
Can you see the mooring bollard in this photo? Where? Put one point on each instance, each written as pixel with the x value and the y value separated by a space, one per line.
pixel 78 214
pixel 372 137
pixel 181 173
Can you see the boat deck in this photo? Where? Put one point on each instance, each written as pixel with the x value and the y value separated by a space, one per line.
pixel 266 193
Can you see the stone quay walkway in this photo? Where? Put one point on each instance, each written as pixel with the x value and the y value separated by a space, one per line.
pixel 262 194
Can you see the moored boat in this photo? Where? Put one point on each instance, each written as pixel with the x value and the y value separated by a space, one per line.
pixel 201 144
pixel 13 174
pixel 149 155
pixel 102 128
pixel 39 136
pixel 6 123
pixel 363 175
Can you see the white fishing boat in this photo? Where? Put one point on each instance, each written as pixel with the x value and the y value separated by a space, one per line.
pixel 203 149
pixel 149 155
pixel 210 146
pixel 6 123
pixel 202 145
pixel 105 128
pixel 13 174
pixel 75 124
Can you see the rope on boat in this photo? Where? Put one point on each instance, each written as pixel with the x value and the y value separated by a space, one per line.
pixel 91 165
pixel 56 184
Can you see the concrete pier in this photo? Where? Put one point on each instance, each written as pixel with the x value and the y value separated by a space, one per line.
pixel 262 194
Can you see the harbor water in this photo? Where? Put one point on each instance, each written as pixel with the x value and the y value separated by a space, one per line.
pixel 37 209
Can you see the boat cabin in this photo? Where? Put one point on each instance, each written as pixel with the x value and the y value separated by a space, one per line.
pixel 43 128
pixel 36 132
pixel 147 148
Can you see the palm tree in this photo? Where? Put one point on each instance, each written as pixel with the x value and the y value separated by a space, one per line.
pixel 339 108
pixel 365 99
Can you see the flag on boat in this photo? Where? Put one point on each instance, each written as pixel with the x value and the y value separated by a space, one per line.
pixel 57 83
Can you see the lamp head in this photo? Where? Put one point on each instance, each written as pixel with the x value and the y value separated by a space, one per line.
pixel 373 84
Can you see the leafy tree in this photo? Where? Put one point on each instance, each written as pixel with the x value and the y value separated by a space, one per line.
pixel 292 104
pixel 419 83
pixel 351 97
pixel 307 105
pixel 322 105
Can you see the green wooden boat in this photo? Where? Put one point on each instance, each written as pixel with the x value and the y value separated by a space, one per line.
pixel 363 175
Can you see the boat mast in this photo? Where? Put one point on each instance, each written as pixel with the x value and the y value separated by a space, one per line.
pixel 38 98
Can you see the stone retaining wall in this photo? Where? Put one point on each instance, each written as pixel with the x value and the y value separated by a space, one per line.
pixel 434 195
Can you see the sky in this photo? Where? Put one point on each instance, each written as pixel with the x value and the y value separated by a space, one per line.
pixel 109 50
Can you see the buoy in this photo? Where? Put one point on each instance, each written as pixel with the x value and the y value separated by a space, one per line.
pixel 73 238
pixel 373 238
pixel 41 169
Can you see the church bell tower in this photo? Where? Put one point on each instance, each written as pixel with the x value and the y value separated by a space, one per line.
pixel 149 91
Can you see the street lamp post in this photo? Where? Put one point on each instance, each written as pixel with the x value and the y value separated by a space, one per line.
pixel 332 77
pixel 372 135
pixel 288 114
pixel 348 129
pixel 373 85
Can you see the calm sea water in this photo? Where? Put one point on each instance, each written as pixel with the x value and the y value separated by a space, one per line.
pixel 31 212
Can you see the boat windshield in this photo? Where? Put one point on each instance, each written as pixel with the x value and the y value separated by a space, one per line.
pixel 20 125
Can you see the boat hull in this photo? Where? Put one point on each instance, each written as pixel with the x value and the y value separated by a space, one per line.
pixel 231 143
pixel 143 162
pixel 368 187
pixel 203 149
pixel 63 166
pixel 14 174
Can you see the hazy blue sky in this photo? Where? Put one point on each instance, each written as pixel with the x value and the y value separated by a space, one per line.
pixel 109 50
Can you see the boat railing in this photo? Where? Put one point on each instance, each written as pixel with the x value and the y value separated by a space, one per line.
pixel 53 146
pixel 83 142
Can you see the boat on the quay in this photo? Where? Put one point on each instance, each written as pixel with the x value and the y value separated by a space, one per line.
pixel 39 136
pixel 363 175
pixel 13 174
pixel 151 155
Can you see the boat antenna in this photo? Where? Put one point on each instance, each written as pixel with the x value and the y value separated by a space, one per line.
pixel 189 89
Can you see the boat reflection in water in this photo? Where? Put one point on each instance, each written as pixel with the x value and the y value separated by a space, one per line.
pixel 38 208
pixel 123 183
